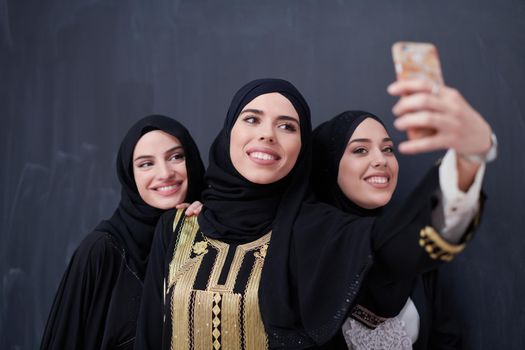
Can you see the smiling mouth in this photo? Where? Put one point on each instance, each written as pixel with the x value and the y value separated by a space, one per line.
pixel 378 180
pixel 263 156
pixel 167 188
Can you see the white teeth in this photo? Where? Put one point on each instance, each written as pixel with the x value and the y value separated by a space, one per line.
pixel 166 188
pixel 377 180
pixel 262 156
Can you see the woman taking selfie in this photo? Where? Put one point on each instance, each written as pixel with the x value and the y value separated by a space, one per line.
pixel 97 302
pixel 264 265
pixel 356 170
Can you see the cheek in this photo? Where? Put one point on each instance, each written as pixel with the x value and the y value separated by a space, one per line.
pixel 236 146
pixel 184 175
pixel 140 179
pixel 292 147
pixel 394 166
pixel 347 176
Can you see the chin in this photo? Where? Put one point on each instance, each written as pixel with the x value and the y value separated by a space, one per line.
pixel 382 202
pixel 262 179
pixel 166 204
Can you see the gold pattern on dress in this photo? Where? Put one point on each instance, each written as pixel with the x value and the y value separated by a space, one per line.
pixel 436 246
pixel 231 312
pixel 200 248
pixel 181 305
pixel 202 320
pixel 187 231
pixel 253 337
pixel 181 278
pixel 261 253
pixel 178 215
pixel 211 318
pixel 216 310
pixel 222 252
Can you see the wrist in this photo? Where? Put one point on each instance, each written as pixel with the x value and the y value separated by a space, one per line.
pixel 485 157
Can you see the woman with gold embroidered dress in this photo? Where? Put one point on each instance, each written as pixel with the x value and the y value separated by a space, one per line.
pixel 264 265
pixel 357 171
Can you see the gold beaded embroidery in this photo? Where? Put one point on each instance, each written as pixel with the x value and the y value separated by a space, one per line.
pixel 436 246
pixel 211 318
pixel 253 337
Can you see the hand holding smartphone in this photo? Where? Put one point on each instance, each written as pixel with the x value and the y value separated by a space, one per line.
pixel 417 61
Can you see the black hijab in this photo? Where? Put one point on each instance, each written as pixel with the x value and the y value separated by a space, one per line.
pixel 329 144
pixel 296 309
pixel 381 293
pixel 235 209
pixel 133 222
pixel 319 254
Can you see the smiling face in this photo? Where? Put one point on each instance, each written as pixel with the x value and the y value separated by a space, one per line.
pixel 265 140
pixel 159 169
pixel 368 169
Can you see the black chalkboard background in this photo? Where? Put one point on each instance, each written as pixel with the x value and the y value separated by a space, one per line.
pixel 75 74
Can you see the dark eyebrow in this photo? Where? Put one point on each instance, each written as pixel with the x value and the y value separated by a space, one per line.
pixel 386 139
pixel 288 118
pixel 281 117
pixel 171 150
pixel 251 110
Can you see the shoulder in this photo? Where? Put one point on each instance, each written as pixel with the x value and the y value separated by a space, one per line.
pixel 175 218
pixel 95 249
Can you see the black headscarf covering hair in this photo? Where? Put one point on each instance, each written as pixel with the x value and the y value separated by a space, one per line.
pixel 383 292
pixel 330 140
pixel 319 255
pixel 133 222
pixel 235 209
pixel 298 307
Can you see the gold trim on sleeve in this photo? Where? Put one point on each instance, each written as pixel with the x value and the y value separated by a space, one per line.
pixel 436 246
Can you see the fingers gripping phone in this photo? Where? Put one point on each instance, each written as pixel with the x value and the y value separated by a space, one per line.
pixel 419 61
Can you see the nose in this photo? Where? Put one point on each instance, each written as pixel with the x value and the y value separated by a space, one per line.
pixel 379 159
pixel 267 134
pixel 165 171
pixel 266 138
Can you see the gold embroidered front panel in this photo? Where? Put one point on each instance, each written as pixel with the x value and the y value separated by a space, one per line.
pixel 212 318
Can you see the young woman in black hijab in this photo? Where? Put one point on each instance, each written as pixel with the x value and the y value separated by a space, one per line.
pixel 356 171
pixel 97 302
pixel 264 265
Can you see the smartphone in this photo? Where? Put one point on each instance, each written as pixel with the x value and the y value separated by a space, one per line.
pixel 420 61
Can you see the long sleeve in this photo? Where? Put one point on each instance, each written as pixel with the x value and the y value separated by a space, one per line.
pixel 455 209
pixel 78 315
pixel 399 254
pixel 151 316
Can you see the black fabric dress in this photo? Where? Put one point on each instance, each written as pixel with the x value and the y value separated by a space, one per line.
pixel 313 266
pixel 382 292
pixel 98 300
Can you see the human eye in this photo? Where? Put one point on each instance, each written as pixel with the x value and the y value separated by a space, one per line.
pixel 288 127
pixel 144 164
pixel 388 149
pixel 178 156
pixel 250 119
pixel 360 150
